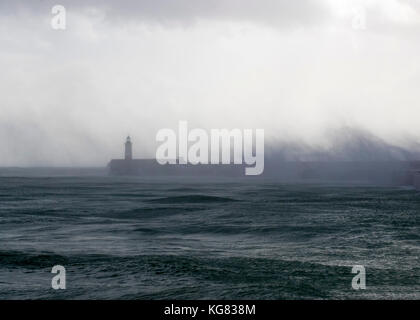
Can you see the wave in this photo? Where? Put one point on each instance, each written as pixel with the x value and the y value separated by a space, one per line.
pixel 204 276
pixel 10 258
pixel 160 211
pixel 192 199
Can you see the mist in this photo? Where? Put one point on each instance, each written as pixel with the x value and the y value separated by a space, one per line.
pixel 321 89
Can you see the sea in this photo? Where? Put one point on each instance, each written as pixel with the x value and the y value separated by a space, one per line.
pixel 201 238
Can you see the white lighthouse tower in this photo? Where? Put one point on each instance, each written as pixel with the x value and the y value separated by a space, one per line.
pixel 128 149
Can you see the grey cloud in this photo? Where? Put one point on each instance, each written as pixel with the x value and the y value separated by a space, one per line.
pixel 72 96
pixel 345 144
pixel 273 12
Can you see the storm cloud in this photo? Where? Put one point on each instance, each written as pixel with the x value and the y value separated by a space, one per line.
pixel 277 12
pixel 301 70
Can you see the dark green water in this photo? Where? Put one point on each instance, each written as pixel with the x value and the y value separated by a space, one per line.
pixel 121 238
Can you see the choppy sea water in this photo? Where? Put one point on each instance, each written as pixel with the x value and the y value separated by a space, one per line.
pixel 130 238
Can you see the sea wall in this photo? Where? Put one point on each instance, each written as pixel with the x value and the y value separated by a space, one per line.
pixel 376 173
pixel 416 180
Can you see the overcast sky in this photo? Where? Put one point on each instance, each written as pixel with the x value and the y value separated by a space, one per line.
pixel 301 70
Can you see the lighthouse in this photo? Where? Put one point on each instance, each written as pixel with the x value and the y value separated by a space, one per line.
pixel 128 149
